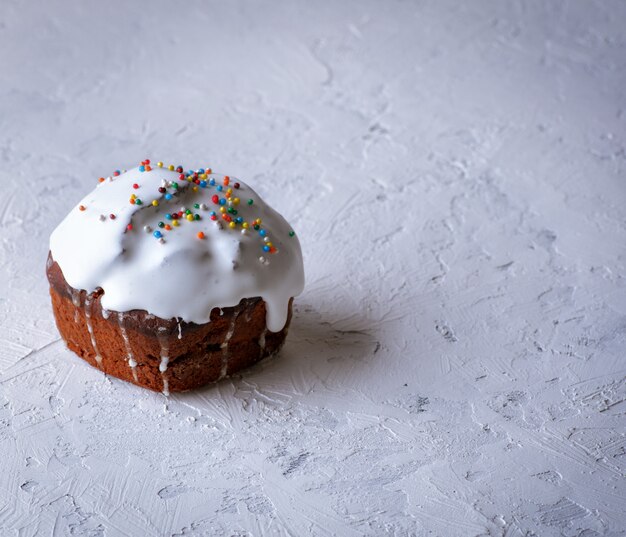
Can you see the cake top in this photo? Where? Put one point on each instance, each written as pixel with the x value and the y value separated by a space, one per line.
pixel 178 244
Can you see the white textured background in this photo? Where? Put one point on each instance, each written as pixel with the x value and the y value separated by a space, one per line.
pixel 456 173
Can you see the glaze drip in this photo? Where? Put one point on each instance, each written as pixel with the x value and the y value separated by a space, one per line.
pixel 174 244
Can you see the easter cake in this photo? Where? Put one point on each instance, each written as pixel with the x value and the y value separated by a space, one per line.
pixel 172 279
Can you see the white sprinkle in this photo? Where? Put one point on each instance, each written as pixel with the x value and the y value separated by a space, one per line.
pixel 161 240
pixel 244 231
pixel 147 229
pixel 102 218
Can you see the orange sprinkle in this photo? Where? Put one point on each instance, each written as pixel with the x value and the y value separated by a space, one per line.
pixel 200 235
pixel 226 180
pixel 82 207
pixel 168 227
pixel 101 180
pixel 132 201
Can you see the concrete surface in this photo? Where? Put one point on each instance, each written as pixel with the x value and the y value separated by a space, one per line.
pixel 456 174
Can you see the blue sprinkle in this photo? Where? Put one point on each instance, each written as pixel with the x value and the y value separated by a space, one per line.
pixel 223 201
pixel 262 232
pixel 239 219
pixel 168 196
pixel 266 248
pixel 203 184
pixel 212 213
pixel 142 168
pixel 158 234
pixel 201 170
pixel 220 188
pixel 168 216
pixel 212 182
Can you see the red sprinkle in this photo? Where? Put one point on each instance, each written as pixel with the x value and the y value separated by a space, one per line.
pixel 162 190
pixel 236 185
pixel 147 161
pixel 215 198
pixel 112 216
pixel 213 217
pixel 135 186
pixel 129 227
pixel 182 176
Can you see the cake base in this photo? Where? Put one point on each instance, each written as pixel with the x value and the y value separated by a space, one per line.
pixel 167 355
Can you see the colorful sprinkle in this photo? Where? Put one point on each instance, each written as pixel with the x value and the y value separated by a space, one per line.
pixel 135 185
pixel 161 224
pixel 250 201
pixel 155 203
pixel 158 234
pixel 112 216
pixel 292 233
pixel 200 235
pixel 101 180
pixel 81 207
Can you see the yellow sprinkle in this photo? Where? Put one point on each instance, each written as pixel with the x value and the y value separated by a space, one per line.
pixel 171 167
pixel 270 244
pixel 229 191
pixel 232 224
pixel 195 189
pixel 222 209
pixel 258 221
pixel 175 223
pixel 160 164
pixel 245 225
pixel 133 196
pixel 155 203
pixel 236 201
pixel 190 217
pixel 203 176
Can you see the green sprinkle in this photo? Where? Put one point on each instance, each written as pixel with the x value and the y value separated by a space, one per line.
pixel 292 233
pixel 250 202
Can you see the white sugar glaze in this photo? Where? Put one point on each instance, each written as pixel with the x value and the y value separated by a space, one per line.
pixel 182 276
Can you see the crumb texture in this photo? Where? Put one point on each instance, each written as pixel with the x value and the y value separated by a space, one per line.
pixel 455 174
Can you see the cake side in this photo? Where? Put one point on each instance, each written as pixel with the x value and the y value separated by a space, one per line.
pixel 161 354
